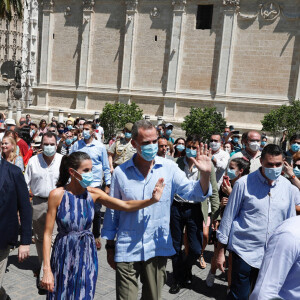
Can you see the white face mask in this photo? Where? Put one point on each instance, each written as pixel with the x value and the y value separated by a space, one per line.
pixel 215 146
pixel 254 146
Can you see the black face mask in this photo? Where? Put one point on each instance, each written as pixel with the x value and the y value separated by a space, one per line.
pixel 22 122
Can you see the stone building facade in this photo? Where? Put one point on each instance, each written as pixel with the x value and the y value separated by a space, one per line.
pixel 241 56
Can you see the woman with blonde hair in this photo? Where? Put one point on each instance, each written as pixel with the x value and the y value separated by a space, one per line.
pixel 9 152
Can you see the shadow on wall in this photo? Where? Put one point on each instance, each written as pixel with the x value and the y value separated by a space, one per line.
pixel 117 22
pixel 167 27
pixel 282 18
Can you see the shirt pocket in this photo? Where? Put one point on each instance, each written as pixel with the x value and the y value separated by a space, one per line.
pixel 125 237
pixel 131 194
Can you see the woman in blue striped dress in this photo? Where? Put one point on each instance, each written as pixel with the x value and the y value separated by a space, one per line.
pixel 72 272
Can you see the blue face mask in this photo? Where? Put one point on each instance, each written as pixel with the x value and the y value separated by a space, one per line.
pixel 97 125
pixel 49 150
pixel 295 147
pixel 87 179
pixel 235 140
pixel 263 143
pixel 273 173
pixel 231 174
pixel 161 133
pixel 86 134
pixel 61 131
pixel 180 148
pixel 127 135
pixel 70 127
pixel 168 132
pixel 149 151
pixel 190 152
pixel 69 141
pixel 75 138
pixel 225 134
pixel 297 172
pixel 8 127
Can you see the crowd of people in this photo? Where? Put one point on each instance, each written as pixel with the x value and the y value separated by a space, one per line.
pixel 164 198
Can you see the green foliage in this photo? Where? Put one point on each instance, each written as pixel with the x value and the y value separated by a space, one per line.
pixel 286 117
pixel 203 122
pixel 115 116
pixel 9 7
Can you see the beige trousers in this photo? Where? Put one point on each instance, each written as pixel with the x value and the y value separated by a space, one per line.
pixel 153 277
pixel 3 262
pixel 39 212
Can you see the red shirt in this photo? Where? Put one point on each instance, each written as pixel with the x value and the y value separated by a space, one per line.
pixel 23 147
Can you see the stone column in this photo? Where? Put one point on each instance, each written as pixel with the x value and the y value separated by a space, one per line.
pixel 46 49
pixel 176 41
pixel 88 9
pixel 297 96
pixel 47 42
pixel 175 56
pixel 60 116
pixel 50 115
pixel 19 114
pixel 128 51
pixel 10 112
pixel 159 120
pixel 227 45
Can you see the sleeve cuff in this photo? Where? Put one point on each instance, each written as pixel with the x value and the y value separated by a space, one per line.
pixel 223 239
pixel 108 235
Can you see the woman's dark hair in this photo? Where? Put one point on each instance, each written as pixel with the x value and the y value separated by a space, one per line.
pixel 177 153
pixel 60 125
pixel 42 121
pixel 73 161
pixel 294 137
pixel 194 139
pixel 242 163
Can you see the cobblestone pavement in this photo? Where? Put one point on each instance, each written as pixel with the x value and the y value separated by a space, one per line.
pixel 19 281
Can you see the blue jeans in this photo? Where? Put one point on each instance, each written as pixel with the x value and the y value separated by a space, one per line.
pixel 243 279
pixel 189 215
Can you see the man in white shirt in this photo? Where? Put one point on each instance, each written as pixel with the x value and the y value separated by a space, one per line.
pixel 41 175
pixel 280 270
pixel 99 131
pixel 219 157
pixel 251 151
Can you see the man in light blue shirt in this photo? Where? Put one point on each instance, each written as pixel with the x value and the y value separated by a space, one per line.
pixel 97 151
pixel 279 274
pixel 258 203
pixel 143 240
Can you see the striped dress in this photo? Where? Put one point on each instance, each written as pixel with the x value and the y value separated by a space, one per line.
pixel 74 261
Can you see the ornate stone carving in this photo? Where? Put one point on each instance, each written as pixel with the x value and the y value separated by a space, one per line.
pixel 270 11
pixel 154 13
pixel 68 11
pixel 179 5
pixel 48 5
pixel 231 2
pixel 131 6
pixel 289 16
pixel 88 5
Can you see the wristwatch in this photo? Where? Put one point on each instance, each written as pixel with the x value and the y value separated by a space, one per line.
pixel 293 176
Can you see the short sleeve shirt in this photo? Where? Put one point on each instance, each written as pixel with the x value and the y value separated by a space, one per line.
pixel 122 151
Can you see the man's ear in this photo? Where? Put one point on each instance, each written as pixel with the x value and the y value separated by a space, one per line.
pixel 133 143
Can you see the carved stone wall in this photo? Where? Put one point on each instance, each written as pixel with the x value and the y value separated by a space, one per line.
pixel 150 51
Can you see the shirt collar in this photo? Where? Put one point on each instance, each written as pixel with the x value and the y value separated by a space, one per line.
pixel 158 161
pixel 264 180
pixel 90 144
